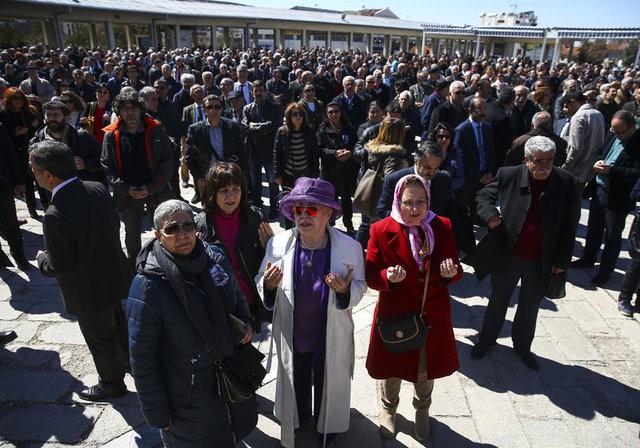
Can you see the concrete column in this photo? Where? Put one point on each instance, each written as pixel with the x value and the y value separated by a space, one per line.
pixel 226 39
pixel 329 40
pixel 543 50
pixel 424 43
pixel 478 47
pixel 304 42
pixel 556 53
pixel 127 32
pixel 49 33
pixel 493 46
pixel 350 43
pixel 279 38
pixel 92 35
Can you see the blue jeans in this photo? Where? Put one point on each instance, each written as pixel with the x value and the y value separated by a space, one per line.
pixel 255 170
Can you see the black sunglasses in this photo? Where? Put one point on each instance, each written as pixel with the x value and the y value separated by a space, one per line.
pixel 173 229
pixel 216 107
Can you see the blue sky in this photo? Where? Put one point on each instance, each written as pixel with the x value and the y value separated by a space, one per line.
pixel 551 13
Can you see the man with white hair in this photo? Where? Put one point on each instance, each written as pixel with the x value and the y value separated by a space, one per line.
pixel 352 105
pixel 538 202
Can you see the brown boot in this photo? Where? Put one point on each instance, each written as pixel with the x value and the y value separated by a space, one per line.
pixel 422 425
pixel 387 423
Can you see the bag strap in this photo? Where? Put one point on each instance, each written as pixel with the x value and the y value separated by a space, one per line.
pixel 426 285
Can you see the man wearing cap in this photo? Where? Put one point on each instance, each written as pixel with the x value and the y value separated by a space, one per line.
pixel 314 275
pixel 35 85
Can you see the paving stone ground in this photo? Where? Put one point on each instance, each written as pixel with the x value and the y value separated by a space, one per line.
pixel 585 394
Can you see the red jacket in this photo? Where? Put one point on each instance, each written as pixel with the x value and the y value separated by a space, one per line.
pixel 389 246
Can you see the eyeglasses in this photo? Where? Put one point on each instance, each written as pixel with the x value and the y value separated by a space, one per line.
pixel 297 114
pixel 333 111
pixel 103 91
pixel 310 210
pixel 216 107
pixel 443 136
pixel 173 229
pixel 417 204
pixel 309 90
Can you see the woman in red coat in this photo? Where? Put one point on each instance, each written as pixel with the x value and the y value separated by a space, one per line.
pixel 403 248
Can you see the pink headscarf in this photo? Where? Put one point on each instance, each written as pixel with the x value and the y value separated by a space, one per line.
pixel 419 249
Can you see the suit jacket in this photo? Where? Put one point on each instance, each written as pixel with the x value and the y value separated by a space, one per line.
pixel 200 155
pixel 465 141
pixel 503 135
pixel 447 113
pixel 585 137
pixel 259 129
pixel 440 189
pixel 357 114
pixel 558 206
pixel 189 116
pixel 515 156
pixel 81 232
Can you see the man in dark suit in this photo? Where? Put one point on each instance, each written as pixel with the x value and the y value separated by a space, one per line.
pixel 474 140
pixel 82 235
pixel 451 111
pixel 214 140
pixel 498 117
pixel 538 203
pixel 541 124
pixel 11 181
pixel 352 105
pixel 617 169
pixel 427 163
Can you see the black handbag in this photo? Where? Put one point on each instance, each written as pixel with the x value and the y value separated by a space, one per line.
pixel 239 376
pixel 407 332
pixel 368 192
pixel 556 289
pixel 633 242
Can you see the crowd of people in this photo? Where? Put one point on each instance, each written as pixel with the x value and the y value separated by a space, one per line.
pixel 449 139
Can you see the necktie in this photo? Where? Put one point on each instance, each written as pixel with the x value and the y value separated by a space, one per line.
pixel 479 141
pixel 34 88
pixel 199 114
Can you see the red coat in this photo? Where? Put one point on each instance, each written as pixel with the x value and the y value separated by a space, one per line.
pixel 389 246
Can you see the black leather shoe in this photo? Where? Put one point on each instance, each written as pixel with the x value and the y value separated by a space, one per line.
pixel 478 351
pixel 7 336
pixel 33 213
pixel 100 393
pixel 581 263
pixel 599 280
pixel 529 360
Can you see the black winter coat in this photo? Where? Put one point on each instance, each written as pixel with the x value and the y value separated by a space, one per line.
pixel 173 373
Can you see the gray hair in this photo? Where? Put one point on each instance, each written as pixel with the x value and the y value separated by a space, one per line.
pixel 145 91
pixel 168 209
pixel 539 143
pixel 186 76
pixel 456 84
pixel 542 120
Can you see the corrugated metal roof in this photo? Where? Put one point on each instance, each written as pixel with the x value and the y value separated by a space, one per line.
pixel 226 10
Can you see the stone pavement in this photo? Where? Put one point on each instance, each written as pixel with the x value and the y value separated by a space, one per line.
pixel 585 394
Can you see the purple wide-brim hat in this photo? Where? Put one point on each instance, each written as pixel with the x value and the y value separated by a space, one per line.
pixel 313 191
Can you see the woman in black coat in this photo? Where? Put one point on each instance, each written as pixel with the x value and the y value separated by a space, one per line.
pixel 178 329
pixel 240 230
pixel 336 140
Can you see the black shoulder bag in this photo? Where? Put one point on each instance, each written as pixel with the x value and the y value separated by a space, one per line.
pixel 407 332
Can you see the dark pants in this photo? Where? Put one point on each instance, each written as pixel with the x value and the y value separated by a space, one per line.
pixel 630 281
pixel 106 336
pixel 603 221
pixel 29 188
pixel 307 372
pixel 132 216
pixel 10 223
pixel 362 236
pixel 255 170
pixel 466 196
pixel 503 282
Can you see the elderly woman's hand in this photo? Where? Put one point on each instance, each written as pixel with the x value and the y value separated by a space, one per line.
pixel 272 276
pixel 448 269
pixel 339 284
pixel 265 232
pixel 248 335
pixel 396 274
